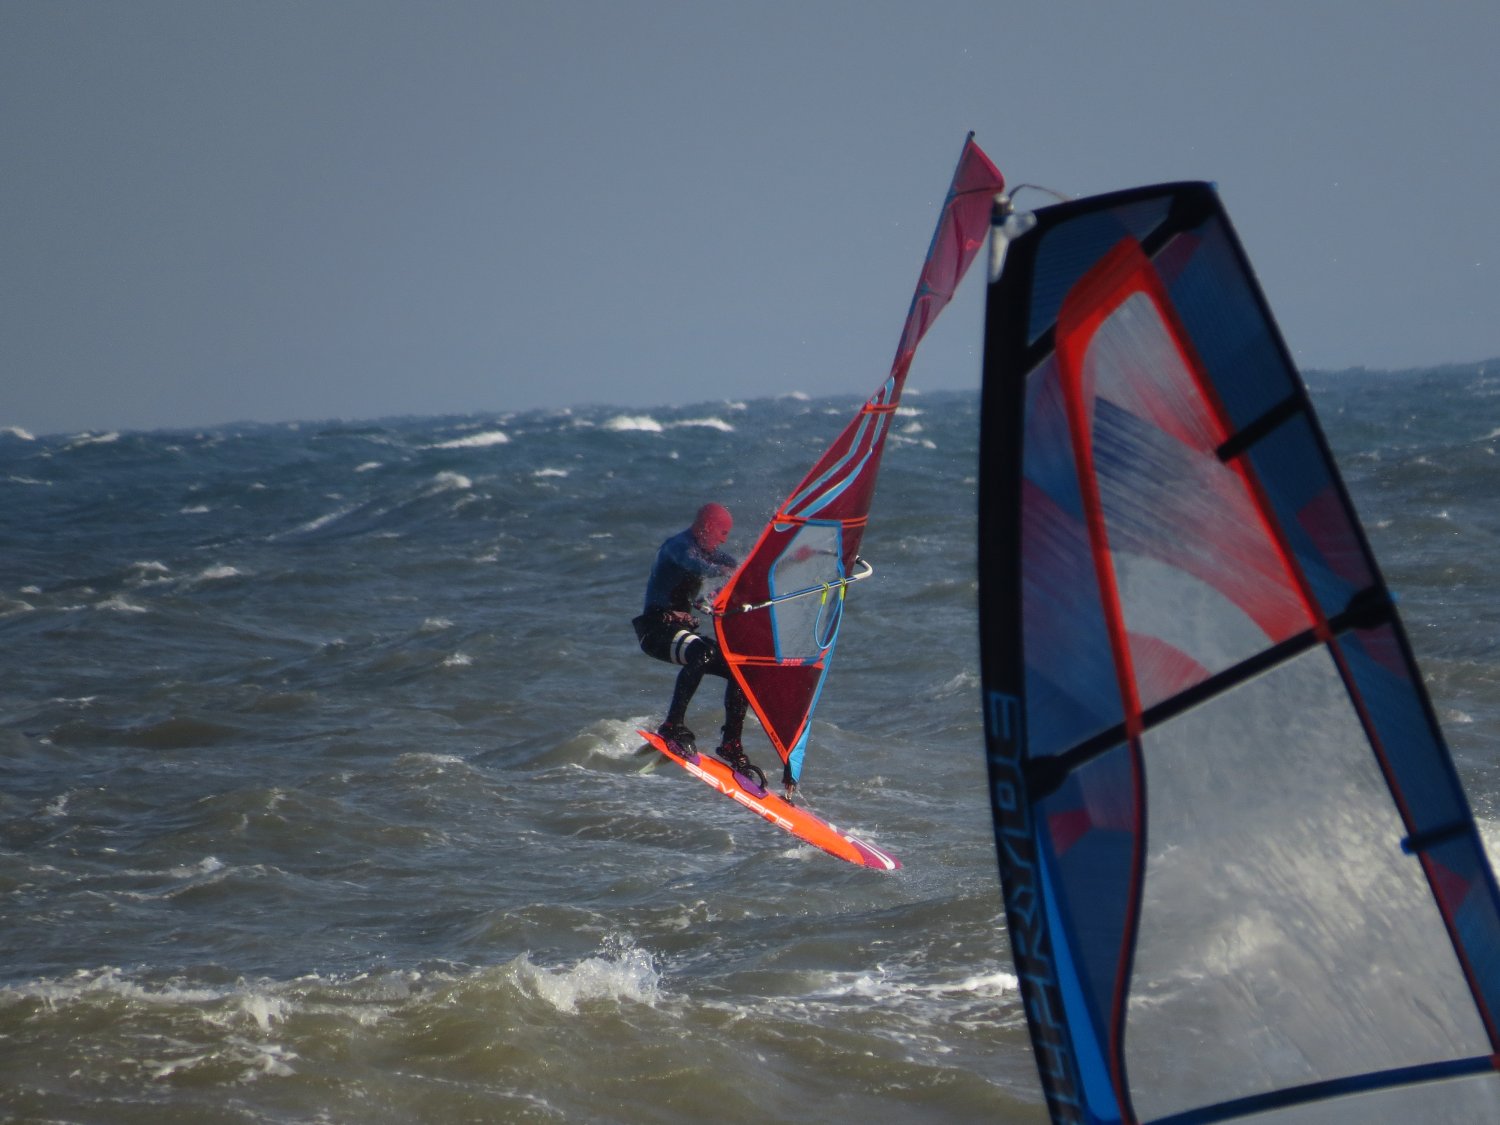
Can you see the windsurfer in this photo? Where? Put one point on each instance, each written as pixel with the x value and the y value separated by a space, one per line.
pixel 667 630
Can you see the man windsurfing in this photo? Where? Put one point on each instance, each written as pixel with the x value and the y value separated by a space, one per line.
pixel 667 630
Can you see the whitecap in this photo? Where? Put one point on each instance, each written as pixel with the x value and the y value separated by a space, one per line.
pixel 894 988
pixel 263 1009
pixel 458 660
pixel 194 510
pixel 230 1009
pixel 626 974
pixel 321 521
pixel 550 473
pixel 707 423
pixel 19 432
pixel 436 625
pixel 218 573
pixel 902 439
pixel 619 739
pixel 109 979
pixel 475 441
pixel 83 439
pixel 208 865
pixel 640 423
pixel 118 604
pixel 427 758
pixel 449 480
pixel 367 466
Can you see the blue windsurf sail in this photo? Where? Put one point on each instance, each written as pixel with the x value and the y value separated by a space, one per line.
pixel 1241 877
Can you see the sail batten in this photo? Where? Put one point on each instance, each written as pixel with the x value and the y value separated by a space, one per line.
pixel 778 642
pixel 1241 877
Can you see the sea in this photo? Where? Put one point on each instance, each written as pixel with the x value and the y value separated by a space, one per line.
pixel 321 797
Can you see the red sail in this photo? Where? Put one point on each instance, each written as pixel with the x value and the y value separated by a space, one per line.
pixel 777 619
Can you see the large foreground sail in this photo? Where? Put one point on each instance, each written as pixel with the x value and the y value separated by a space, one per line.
pixel 1241 877
pixel 777 619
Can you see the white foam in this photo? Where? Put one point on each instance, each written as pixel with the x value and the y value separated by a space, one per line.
pixel 925 443
pixel 85 983
pixel 550 473
pixel 219 573
pixel 622 974
pixel 436 625
pixel 639 423
pixel 475 441
pixel 194 510
pixel 426 758
pixel 206 872
pixel 93 439
pixel 248 1012
pixel 447 481
pixel 961 683
pixel 890 988
pixel 706 423
pixel 208 865
pixel 118 604
pixel 264 1010
pixel 617 739
pixel 17 431
pixel 458 660
pixel 321 521
pixel 367 466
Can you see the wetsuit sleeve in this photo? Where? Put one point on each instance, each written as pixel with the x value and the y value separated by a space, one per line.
pixel 708 564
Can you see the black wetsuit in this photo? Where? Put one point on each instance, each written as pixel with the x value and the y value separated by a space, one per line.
pixel 667 628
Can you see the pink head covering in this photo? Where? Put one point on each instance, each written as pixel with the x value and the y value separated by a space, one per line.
pixel 711 526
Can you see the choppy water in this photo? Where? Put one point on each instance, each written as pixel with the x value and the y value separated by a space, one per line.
pixel 319 793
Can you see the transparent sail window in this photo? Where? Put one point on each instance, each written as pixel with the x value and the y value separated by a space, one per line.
pixel 805 617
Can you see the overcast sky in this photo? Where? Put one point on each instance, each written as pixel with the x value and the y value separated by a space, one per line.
pixel 221 210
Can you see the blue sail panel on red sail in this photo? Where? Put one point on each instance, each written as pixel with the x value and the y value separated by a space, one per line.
pixel 1241 876
pixel 795 576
